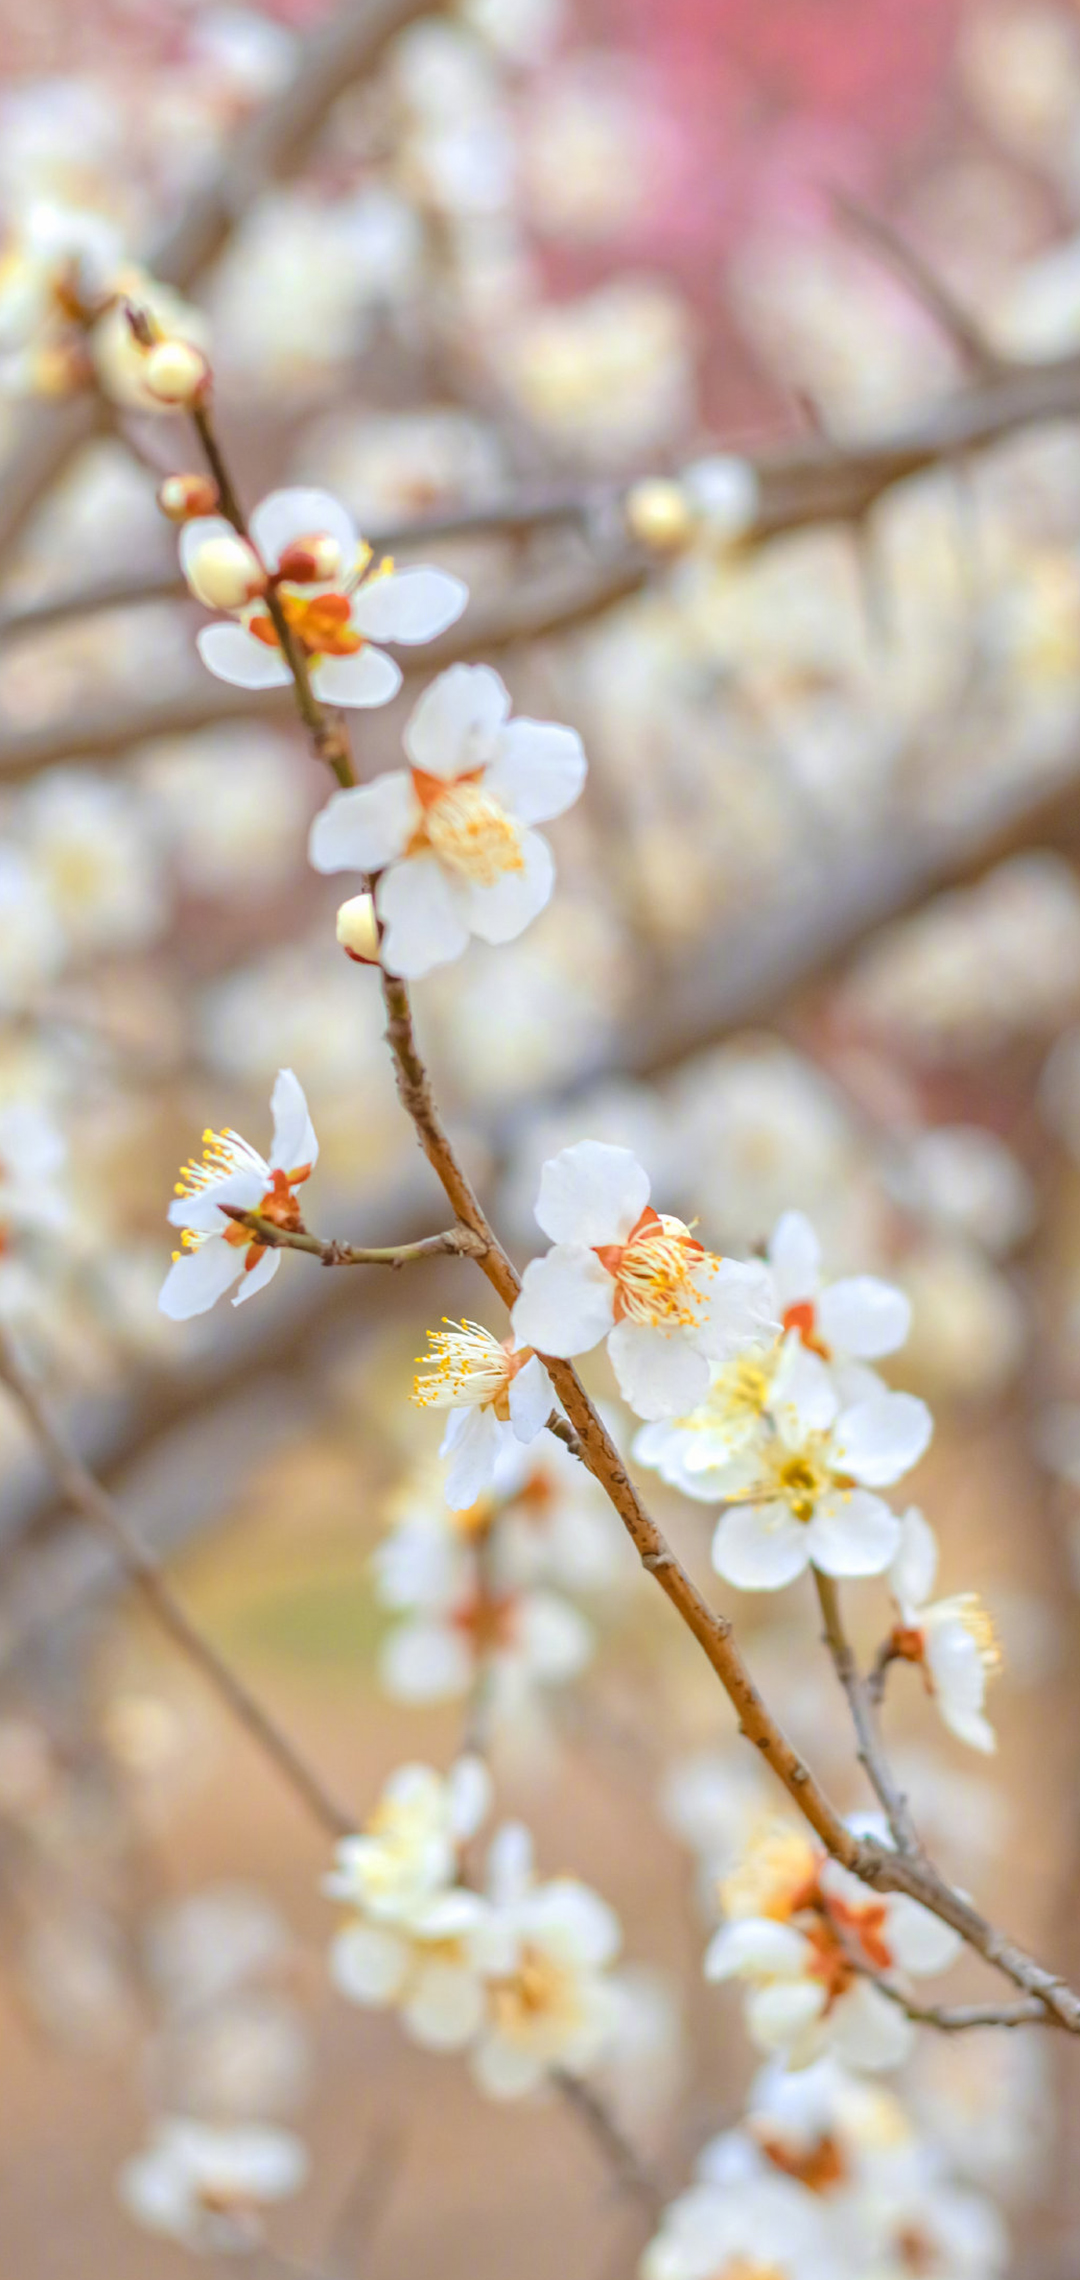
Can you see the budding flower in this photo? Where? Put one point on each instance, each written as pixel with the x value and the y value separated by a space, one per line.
pixel 357 931
pixel 182 497
pixel 659 515
pixel 175 372
pixel 316 556
pixel 225 572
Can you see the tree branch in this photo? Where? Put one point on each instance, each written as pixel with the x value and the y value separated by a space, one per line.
pixel 455 1241
pixel 870 1751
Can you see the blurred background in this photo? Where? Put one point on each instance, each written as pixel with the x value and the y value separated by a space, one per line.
pixel 815 943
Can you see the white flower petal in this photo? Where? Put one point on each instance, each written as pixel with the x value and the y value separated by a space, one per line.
pixel 425 916
pixel 256 1278
pixel 531 1400
pixel 194 535
pixel 233 654
pixel 198 1278
pixel 202 1210
pixel 369 1964
pixel 865 2029
pixel 471 1793
pixel 477 1440
pixel 366 678
pixel 554 1637
pixel 660 1373
pixel 287 515
pixel 919 1941
pixel 757 1947
pixel 795 1259
pixel 538 771
pixel 364 829
pixel 911 1576
pixel 760 1547
pixel 567 1302
pixel 506 2070
pixel 569 1919
pixel 878 1440
pixel 426 1662
pixel 739 1309
pixel 409 605
pixel 778 2016
pixel 294 1142
pixel 453 728
pixel 864 1317
pixel 853 1533
pixel 502 911
pixel 446 2007
pixel 510 1868
pixel 591 1193
pixel 803 1398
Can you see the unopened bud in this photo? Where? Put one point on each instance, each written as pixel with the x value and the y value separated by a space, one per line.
pixel 311 558
pixel 659 515
pixel 182 497
pixel 225 572
pixel 725 492
pixel 175 372
pixel 357 930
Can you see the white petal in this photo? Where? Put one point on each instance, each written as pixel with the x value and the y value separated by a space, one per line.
pixel 911 1576
pixel 294 1142
pixel 505 2069
pixel 919 1941
pixel 256 1278
pixel 425 916
pixel 531 1400
pixel 478 1438
pixel 409 605
pixel 502 911
pixel 779 2016
pixel 446 2007
pixel 740 1307
pixel 591 1193
pixel 369 1964
pixel 660 1374
pixel 510 1869
pixel 795 1259
pixel 757 1947
pixel 865 1317
pixel 865 2029
pixel 760 1547
pixel 366 678
pixel 569 1919
pixel 567 1302
pixel 287 515
pixel 555 1639
pixel 198 1278
pixel 969 1726
pixel 202 1211
pixel 471 1794
pixel 878 1440
pixel 538 771
pixel 454 726
pixel 426 1662
pixel 234 655
pixel 853 1533
pixel 364 829
pixel 803 1398
pixel 194 535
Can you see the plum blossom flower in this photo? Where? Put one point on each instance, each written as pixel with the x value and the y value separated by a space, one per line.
pixel 542 1952
pixel 217 1250
pixel 303 545
pixel 798 1929
pixel 744 2228
pixel 407 1852
pixel 206 2187
pixel 803 1492
pixel 620 1271
pixel 953 1639
pixel 859 1318
pixel 493 1392
pixel 452 836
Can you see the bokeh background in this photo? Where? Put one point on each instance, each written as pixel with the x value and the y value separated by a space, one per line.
pixel 816 942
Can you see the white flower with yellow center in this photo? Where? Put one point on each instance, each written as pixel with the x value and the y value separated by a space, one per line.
pixel 618 1270
pixel 743 2228
pixel 495 1394
pixel 304 546
pixel 451 836
pixel 856 1319
pixel 56 264
pixel 407 1852
pixel 216 1249
pixel 953 1639
pixel 688 1451
pixel 543 1952
pixel 804 1934
pixel 207 2187
pixel 803 1491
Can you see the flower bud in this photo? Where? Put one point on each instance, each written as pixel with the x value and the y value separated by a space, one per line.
pixel 225 572
pixel 724 491
pixel 182 497
pixel 357 931
pixel 659 515
pixel 175 372
pixel 312 558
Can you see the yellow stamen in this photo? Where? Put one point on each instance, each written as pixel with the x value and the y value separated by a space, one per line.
pixel 472 834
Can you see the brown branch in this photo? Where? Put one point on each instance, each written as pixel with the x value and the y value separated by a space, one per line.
pixel 457 1241
pixel 870 1751
pixel 629 2169
pixel 89 1498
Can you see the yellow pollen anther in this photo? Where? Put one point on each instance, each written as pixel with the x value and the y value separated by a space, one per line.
pixel 472 834
pixel 655 1281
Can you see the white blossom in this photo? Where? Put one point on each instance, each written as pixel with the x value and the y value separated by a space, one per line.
pixel 953 1639
pixel 493 1392
pixel 207 2187
pixel 217 1250
pixel 451 837
pixel 466 1612
pixel 336 607
pixel 744 2228
pixel 618 1270
pixel 543 1952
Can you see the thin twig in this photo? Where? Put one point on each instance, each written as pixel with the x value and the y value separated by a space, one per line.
pixel 104 1514
pixel 455 1241
pixel 629 2168
pixel 870 1751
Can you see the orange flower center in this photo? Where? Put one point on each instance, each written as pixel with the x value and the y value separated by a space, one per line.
pixel 322 624
pixel 802 1316
pixel 652 1272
